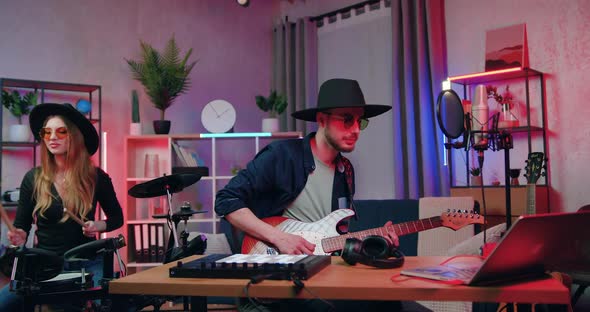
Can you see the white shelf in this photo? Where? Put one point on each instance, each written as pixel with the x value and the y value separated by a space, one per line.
pixel 135 149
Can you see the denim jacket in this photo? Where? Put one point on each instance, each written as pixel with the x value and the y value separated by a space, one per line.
pixel 274 178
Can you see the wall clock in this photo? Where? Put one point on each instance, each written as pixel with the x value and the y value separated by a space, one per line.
pixel 218 116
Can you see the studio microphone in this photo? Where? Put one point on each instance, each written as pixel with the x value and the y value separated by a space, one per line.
pixel 480 115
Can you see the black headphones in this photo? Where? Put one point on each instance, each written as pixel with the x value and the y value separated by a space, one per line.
pixel 374 251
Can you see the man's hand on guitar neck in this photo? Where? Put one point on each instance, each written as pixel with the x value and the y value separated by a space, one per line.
pixel 292 244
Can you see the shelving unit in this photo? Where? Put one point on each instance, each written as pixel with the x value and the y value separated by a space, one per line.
pixel 238 149
pixel 49 92
pixel 527 85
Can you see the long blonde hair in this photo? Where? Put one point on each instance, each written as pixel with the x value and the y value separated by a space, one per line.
pixel 79 179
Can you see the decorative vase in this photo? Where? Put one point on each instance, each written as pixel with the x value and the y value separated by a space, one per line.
pixel 19 133
pixel 507 118
pixel 135 128
pixel 476 180
pixel 161 126
pixel 270 125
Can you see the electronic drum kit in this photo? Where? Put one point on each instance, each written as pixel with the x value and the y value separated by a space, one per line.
pixel 39 274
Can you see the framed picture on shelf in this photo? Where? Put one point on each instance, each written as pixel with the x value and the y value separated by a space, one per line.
pixel 506 48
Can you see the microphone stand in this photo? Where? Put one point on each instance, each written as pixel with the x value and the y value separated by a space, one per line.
pixel 497 140
pixel 505 142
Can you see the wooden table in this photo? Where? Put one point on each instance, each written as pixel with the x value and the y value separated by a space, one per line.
pixel 341 281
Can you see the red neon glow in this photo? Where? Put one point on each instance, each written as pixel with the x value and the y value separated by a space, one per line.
pixel 489 73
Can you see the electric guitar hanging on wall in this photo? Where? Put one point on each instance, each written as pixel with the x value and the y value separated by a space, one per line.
pixel 323 233
pixel 533 171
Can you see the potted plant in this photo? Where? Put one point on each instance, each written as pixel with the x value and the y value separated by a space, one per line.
pixel 19 107
pixel 275 104
pixel 475 176
pixel 135 126
pixel 164 76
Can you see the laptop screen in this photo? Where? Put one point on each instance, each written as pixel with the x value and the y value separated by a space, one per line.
pixel 536 243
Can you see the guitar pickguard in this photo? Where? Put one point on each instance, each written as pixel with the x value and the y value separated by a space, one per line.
pixel 313 232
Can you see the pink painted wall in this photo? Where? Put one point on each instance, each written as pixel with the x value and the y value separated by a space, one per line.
pixel 559 45
pixel 87 41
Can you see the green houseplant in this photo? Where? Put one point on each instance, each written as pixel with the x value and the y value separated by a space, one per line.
pixel 275 104
pixel 19 106
pixel 135 126
pixel 164 75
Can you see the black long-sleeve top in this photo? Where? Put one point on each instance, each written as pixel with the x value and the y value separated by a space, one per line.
pixel 61 237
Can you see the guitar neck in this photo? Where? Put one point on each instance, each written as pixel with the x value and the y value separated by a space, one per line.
pixel 335 243
pixel 530 199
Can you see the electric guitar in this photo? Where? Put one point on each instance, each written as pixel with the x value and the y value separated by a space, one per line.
pixel 323 233
pixel 533 171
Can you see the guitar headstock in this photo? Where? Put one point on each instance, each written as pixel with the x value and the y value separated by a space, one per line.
pixel 534 167
pixel 456 219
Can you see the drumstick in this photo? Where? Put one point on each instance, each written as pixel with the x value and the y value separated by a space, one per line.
pixel 74 217
pixel 6 219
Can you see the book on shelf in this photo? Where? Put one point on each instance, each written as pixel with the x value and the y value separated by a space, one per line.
pixel 179 154
pixel 187 158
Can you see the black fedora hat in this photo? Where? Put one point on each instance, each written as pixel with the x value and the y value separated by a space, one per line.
pixel 40 113
pixel 340 93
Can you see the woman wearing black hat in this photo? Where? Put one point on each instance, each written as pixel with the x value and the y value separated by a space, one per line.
pixel 66 185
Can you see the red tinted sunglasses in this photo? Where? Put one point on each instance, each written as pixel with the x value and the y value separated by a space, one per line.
pixel 60 133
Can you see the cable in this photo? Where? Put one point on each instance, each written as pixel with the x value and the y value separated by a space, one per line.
pixel 299 285
pixel 483 199
pixel 250 299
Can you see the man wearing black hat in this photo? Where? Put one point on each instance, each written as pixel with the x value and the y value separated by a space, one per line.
pixel 302 179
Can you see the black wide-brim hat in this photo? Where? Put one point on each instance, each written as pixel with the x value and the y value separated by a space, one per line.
pixel 40 113
pixel 341 93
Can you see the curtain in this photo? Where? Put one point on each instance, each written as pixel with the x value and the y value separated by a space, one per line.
pixel 295 69
pixel 419 67
pixel 359 47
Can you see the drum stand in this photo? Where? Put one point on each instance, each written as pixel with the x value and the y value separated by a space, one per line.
pixel 177 248
pixel 31 275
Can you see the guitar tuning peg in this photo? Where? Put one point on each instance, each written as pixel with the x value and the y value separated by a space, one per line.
pixel 543 174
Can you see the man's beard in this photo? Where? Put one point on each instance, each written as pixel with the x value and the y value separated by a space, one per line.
pixel 334 144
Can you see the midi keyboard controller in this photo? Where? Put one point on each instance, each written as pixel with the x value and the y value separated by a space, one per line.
pixel 278 267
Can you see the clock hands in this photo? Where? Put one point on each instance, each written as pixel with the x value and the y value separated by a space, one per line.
pixel 214 110
pixel 225 111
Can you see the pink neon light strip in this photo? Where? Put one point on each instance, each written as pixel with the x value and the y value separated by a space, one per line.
pixel 490 73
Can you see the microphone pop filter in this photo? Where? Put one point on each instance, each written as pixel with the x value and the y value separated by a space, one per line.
pixel 450 114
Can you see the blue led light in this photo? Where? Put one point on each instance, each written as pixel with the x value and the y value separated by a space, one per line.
pixel 236 135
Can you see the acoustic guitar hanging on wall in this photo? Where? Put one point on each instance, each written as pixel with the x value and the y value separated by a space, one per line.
pixel 533 171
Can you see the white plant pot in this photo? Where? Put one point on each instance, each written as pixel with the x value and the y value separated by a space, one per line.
pixel 19 133
pixel 135 128
pixel 270 125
